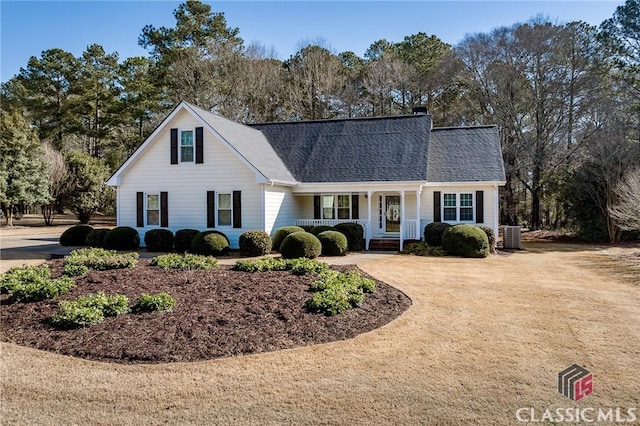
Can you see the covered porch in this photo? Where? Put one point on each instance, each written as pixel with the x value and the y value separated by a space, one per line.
pixel 385 214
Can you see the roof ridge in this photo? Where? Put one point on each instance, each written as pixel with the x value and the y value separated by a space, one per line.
pixel 329 120
pixel 479 126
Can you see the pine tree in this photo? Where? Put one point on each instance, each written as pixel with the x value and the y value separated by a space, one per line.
pixel 23 173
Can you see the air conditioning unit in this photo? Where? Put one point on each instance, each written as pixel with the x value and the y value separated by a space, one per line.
pixel 512 237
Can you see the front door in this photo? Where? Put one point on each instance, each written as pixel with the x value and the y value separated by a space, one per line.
pixel 389 213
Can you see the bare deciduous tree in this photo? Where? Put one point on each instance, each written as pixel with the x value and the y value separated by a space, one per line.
pixel 626 212
pixel 58 180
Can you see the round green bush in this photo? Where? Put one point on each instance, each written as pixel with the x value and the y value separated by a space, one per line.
pixel 300 244
pixel 183 239
pixel 95 238
pixel 466 241
pixel 334 243
pixel 316 230
pixel 433 233
pixel 282 233
pixel 122 238
pixel 254 243
pixel 210 243
pixel 159 240
pixel 491 236
pixel 75 236
pixel 354 233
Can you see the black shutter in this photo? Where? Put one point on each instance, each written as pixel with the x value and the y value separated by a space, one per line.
pixel 436 207
pixel 174 146
pixel 140 209
pixel 355 206
pixel 211 209
pixel 164 209
pixel 199 138
pixel 479 206
pixel 237 210
pixel 316 207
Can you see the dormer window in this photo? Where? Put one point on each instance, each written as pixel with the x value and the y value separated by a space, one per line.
pixel 186 146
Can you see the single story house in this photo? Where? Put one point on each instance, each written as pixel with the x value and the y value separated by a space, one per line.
pixel 392 175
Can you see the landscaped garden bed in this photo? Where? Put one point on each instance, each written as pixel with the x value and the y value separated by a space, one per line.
pixel 219 312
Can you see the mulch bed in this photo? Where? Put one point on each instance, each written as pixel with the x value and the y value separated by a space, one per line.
pixel 219 313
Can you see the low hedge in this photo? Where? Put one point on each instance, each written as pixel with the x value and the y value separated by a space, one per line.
pixel 354 233
pixel 282 233
pixel 466 241
pixel 491 236
pixel 254 243
pixel 95 238
pixel 184 262
pixel 334 243
pixel 210 243
pixel 316 230
pixel 159 302
pixel 183 239
pixel 159 240
pixel 300 244
pixel 433 233
pixel 122 238
pixel 75 236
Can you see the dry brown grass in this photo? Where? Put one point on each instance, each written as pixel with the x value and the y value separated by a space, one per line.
pixel 482 339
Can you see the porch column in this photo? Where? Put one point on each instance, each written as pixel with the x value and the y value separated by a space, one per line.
pixel 367 232
pixel 496 210
pixel 418 229
pixel 402 227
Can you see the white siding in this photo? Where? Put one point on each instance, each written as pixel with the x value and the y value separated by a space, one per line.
pixel 281 208
pixel 426 202
pixel 187 183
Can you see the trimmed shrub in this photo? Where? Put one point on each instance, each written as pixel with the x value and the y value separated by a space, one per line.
pixel 307 228
pixel 354 233
pixel 300 266
pixel 300 244
pixel 282 233
pixel 72 270
pixel 185 261
pixel 33 283
pixel 336 293
pixel 183 239
pixel 491 236
pixel 422 249
pixel 89 310
pixel 159 240
pixel 99 259
pixel 122 238
pixel 334 243
pixel 321 228
pixel 210 243
pixel 20 275
pixel 95 238
pixel 433 233
pixel 254 243
pixel 162 301
pixel 47 288
pixel 466 241
pixel 75 236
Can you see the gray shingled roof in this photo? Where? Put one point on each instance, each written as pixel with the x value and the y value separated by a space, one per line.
pixel 250 144
pixel 465 154
pixel 353 150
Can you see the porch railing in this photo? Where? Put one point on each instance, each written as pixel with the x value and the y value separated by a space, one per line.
pixel 411 230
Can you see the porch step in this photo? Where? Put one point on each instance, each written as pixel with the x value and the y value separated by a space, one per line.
pixel 384 244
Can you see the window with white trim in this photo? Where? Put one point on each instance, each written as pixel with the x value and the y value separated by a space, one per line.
pixel 344 207
pixel 225 207
pixel 336 206
pixel 186 146
pixel 153 209
pixel 458 207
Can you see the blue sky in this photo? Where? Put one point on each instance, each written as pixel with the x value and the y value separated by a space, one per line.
pixel 29 27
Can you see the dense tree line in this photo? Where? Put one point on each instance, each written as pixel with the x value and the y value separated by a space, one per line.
pixel 567 97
